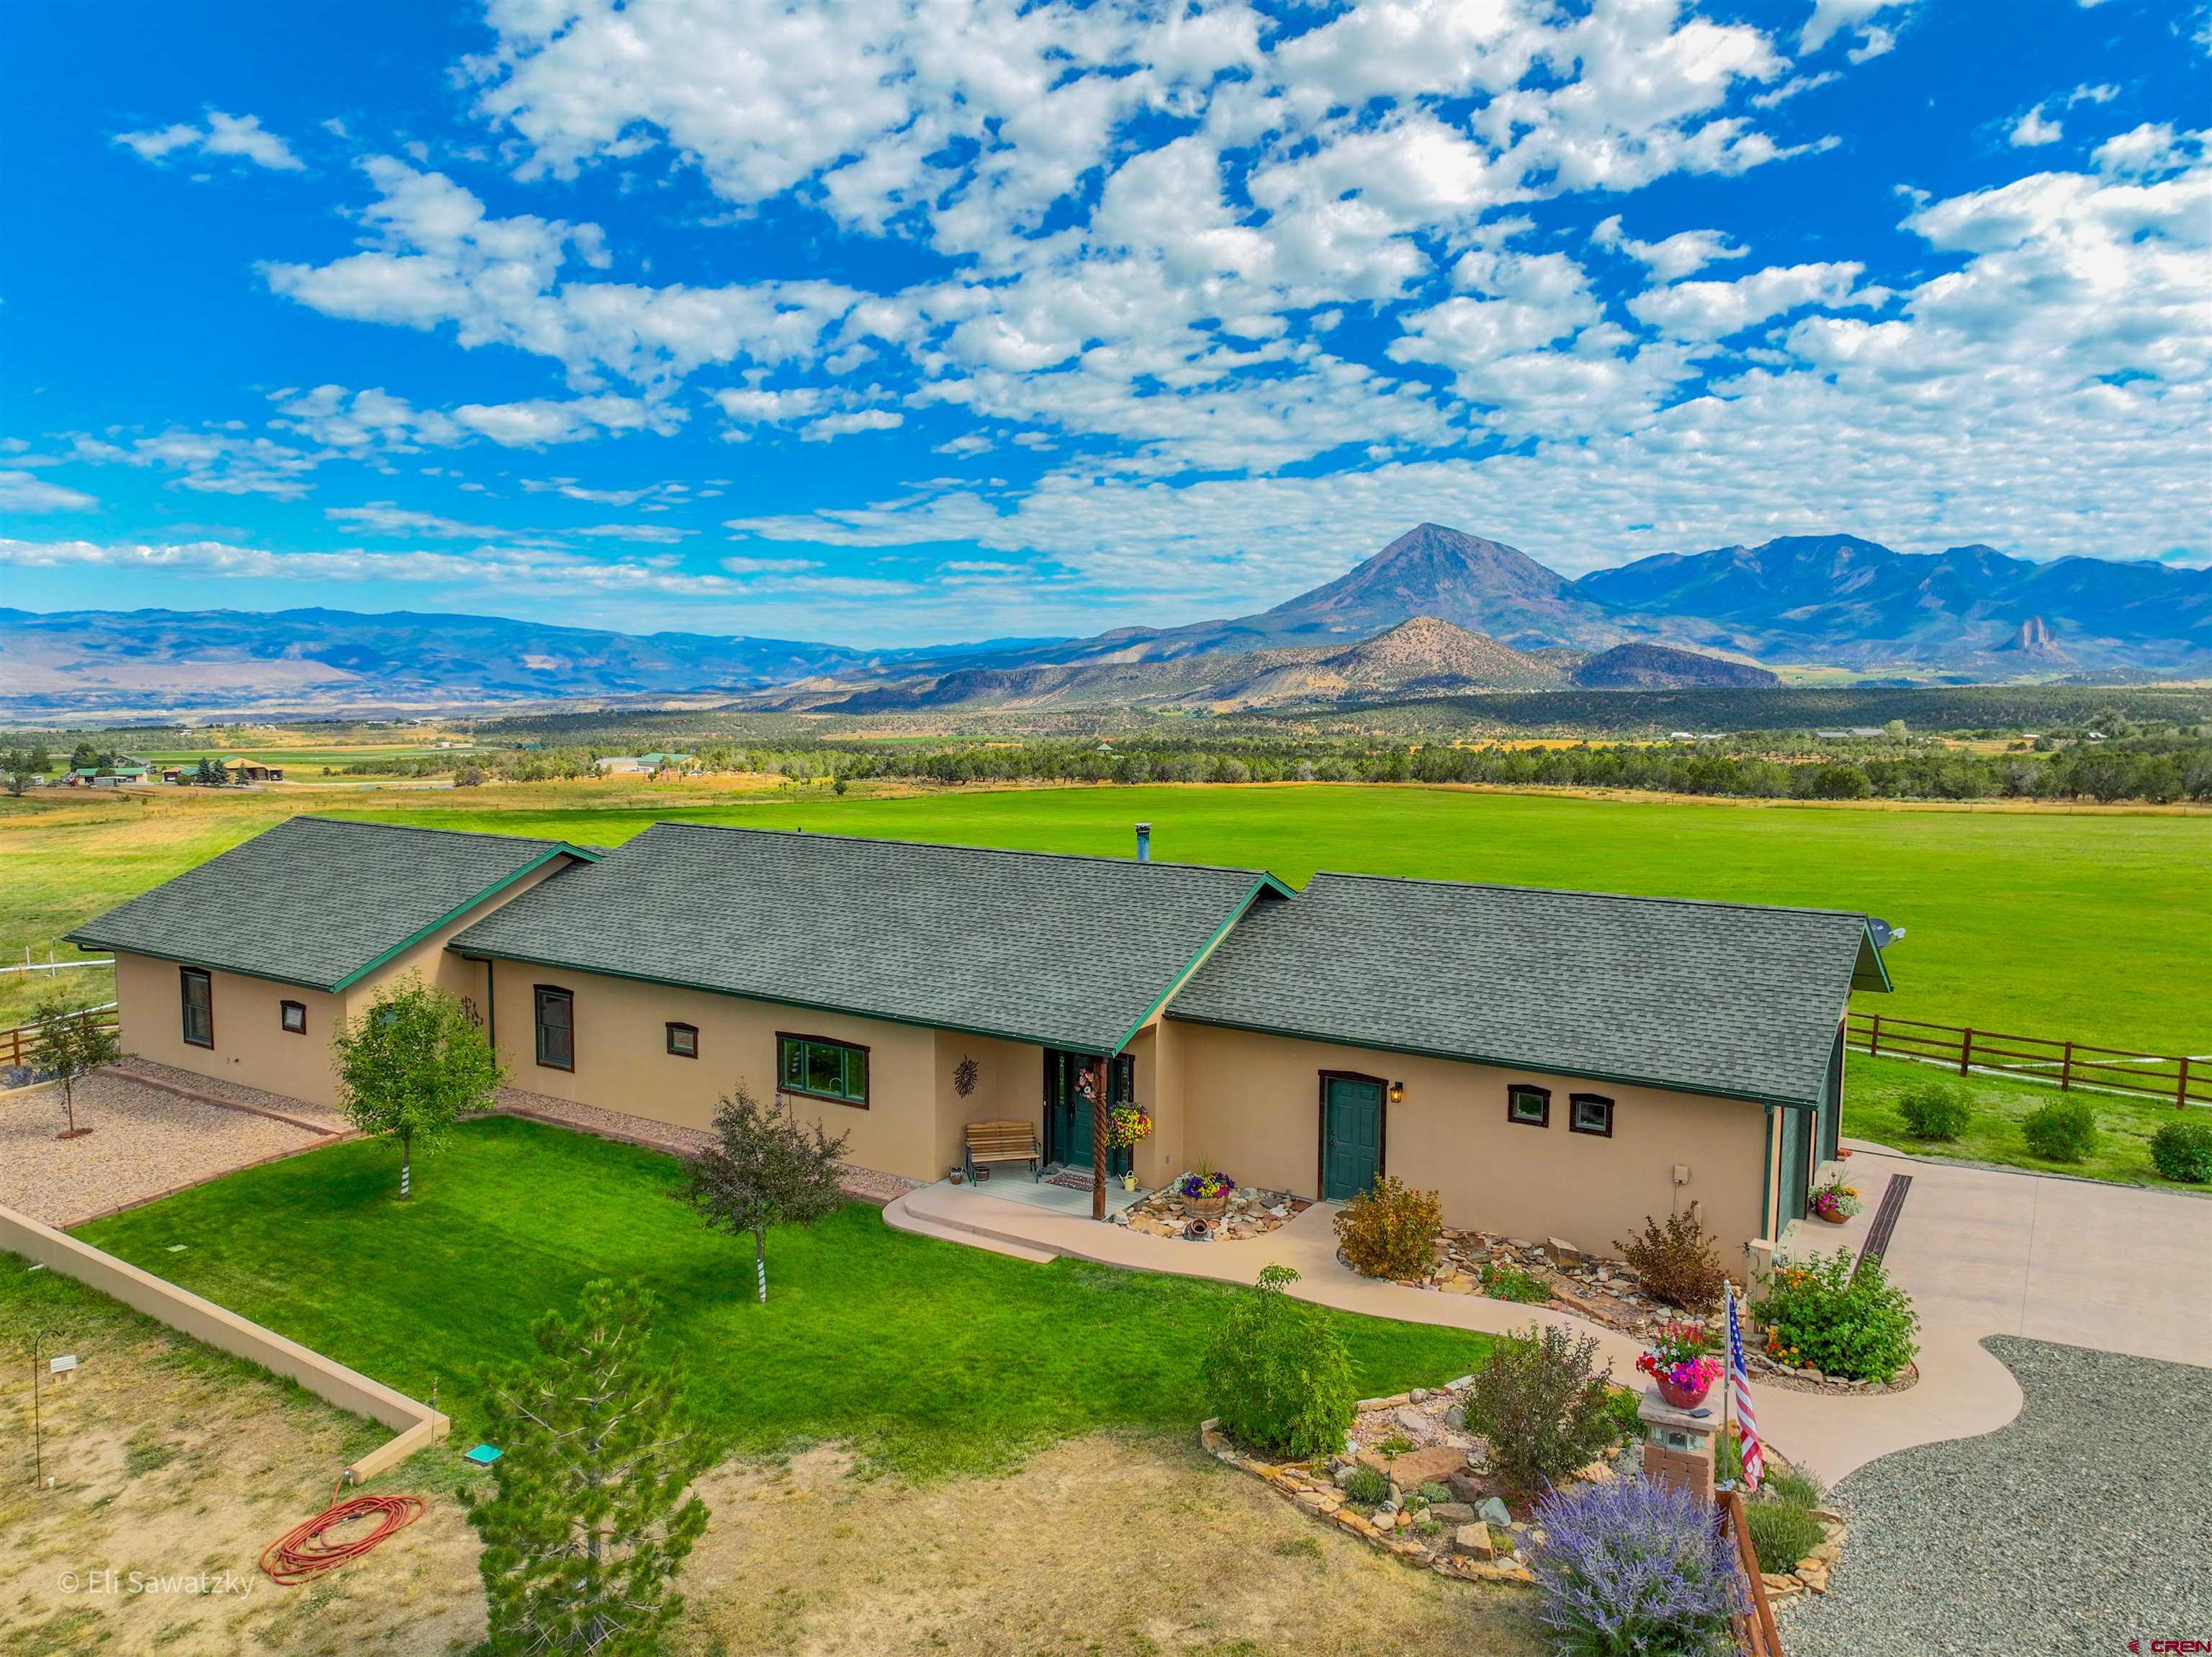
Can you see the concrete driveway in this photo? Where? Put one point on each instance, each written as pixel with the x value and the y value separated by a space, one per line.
pixel 2008 1253
pixel 1985 1252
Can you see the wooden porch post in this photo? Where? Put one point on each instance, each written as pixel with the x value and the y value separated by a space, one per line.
pixel 1099 1106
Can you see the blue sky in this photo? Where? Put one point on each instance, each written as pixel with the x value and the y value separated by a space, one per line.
pixel 890 324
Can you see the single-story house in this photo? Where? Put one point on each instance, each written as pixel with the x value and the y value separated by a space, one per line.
pixel 1554 1064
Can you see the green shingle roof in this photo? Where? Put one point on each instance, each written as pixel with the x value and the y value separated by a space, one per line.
pixel 317 902
pixel 1704 997
pixel 1074 952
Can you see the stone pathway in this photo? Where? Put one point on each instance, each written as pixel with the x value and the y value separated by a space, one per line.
pixel 2083 1525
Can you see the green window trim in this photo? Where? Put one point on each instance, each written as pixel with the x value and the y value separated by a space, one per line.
pixel 822 1067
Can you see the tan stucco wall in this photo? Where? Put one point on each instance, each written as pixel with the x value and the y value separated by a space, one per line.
pixel 622 1062
pixel 1251 1105
pixel 252 1047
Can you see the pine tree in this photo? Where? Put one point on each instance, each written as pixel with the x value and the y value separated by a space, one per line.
pixel 588 1525
pixel 766 1169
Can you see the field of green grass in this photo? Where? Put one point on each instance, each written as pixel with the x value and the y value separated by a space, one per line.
pixel 2088 927
pixel 933 1359
pixel 2125 1126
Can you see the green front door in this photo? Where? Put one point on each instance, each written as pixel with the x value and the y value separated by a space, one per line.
pixel 1351 1136
pixel 1067 1126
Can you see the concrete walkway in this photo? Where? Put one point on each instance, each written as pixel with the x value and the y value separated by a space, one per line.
pixel 1981 1253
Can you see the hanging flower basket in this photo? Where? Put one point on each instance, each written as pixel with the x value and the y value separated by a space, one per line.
pixel 1126 1127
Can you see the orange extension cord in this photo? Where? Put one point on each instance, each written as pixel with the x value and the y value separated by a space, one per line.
pixel 300 1555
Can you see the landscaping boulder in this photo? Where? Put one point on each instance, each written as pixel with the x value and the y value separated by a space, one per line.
pixel 1473 1541
pixel 1434 1464
pixel 1451 1513
pixel 1493 1511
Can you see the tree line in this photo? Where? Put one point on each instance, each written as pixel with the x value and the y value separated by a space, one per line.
pixel 2160 769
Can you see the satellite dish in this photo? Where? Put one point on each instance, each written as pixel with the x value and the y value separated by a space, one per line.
pixel 1884 933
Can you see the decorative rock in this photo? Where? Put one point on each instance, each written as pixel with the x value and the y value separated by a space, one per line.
pixel 1451 1513
pixel 1343 1474
pixel 1465 1486
pixel 1456 1417
pixel 1412 1419
pixel 1494 1512
pixel 1474 1541
pixel 1563 1251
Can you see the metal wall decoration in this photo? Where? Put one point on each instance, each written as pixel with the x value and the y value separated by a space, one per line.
pixel 964 1077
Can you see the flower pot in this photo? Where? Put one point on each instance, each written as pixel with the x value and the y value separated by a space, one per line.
pixel 1682 1398
pixel 1205 1207
pixel 1832 1219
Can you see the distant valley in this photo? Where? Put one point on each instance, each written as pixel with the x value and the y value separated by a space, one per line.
pixel 1436 612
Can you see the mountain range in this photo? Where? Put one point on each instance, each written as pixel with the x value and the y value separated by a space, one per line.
pixel 1436 610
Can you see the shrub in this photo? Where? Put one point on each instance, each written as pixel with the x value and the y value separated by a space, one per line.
pixel 1934 1110
pixel 1544 1407
pixel 1432 1494
pixel 1277 1375
pixel 1620 1408
pixel 2064 1130
pixel 1389 1230
pixel 1801 1488
pixel 1366 1486
pixel 1782 1532
pixel 1396 1445
pixel 1633 1568
pixel 2183 1150
pixel 1821 1314
pixel 1675 1262
pixel 1512 1283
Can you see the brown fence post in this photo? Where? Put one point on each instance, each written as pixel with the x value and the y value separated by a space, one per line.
pixel 1965 1051
pixel 2181 1085
pixel 2066 1070
pixel 1873 1050
pixel 1765 1639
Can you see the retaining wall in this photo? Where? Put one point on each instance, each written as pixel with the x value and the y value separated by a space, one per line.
pixel 417 1424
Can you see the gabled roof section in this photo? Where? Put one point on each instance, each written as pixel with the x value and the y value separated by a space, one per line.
pixel 318 902
pixel 1731 999
pixel 1064 951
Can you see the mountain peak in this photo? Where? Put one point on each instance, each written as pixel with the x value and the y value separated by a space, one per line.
pixel 1436 571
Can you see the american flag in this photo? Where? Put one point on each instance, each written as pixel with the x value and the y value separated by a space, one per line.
pixel 1746 1421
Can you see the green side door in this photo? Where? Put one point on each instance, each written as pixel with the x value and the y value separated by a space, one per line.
pixel 1351 1136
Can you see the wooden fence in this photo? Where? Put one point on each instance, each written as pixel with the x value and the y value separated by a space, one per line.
pixel 20 1046
pixel 1756 1635
pixel 2175 1079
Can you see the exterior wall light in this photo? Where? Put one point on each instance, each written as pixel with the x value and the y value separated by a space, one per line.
pixel 1397 1093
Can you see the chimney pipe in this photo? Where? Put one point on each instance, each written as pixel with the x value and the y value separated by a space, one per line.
pixel 1144 843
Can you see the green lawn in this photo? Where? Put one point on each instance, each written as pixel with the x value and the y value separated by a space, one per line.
pixel 2125 1126
pixel 934 1358
pixel 2087 928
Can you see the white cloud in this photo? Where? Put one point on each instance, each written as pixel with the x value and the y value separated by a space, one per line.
pixel 22 492
pixel 843 425
pixel 1676 256
pixel 242 136
pixel 2033 128
pixel 661 534
pixel 1854 17
pixel 1712 311
pixel 387 518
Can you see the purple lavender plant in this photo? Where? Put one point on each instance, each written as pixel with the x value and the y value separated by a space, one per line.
pixel 1634 1569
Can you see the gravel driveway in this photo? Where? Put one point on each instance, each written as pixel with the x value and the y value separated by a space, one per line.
pixel 2085 1524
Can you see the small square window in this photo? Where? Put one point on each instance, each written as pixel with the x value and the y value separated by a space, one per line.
pixel 683 1040
pixel 1591 1113
pixel 294 1016
pixel 1529 1106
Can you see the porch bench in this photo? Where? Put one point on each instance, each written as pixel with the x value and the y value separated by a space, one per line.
pixel 1003 1142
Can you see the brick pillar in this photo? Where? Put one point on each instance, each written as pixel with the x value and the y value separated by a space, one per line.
pixel 1678 1446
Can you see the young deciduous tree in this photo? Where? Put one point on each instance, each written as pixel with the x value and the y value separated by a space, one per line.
pixel 767 1169
pixel 413 1063
pixel 71 1046
pixel 588 1525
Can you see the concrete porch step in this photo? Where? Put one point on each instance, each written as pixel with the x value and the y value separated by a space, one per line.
pixel 901 1216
